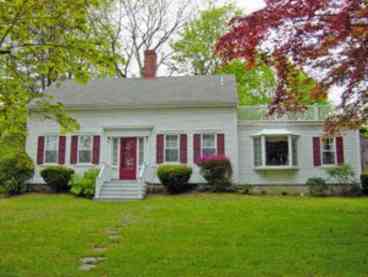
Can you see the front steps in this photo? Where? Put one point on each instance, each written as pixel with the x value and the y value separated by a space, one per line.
pixel 122 190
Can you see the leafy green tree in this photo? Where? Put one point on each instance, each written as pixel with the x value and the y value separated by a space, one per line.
pixel 194 51
pixel 42 42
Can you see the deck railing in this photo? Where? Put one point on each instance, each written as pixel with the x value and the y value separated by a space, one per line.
pixel 313 113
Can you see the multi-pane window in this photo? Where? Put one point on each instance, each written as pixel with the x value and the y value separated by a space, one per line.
pixel 115 149
pixel 172 148
pixel 51 149
pixel 277 150
pixel 85 149
pixel 208 145
pixel 328 151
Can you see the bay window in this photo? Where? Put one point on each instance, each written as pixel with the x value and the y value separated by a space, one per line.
pixel 275 151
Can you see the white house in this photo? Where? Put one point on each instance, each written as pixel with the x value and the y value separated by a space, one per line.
pixel 130 126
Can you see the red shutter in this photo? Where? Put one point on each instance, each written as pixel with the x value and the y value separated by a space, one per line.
pixel 317 151
pixel 183 148
pixel 340 150
pixel 160 149
pixel 96 150
pixel 197 148
pixel 221 144
pixel 40 149
pixel 62 142
pixel 74 150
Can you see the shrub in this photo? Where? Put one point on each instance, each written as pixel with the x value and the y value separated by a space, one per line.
pixel 364 181
pixel 15 170
pixel 175 177
pixel 217 171
pixel 317 186
pixel 341 175
pixel 85 186
pixel 57 177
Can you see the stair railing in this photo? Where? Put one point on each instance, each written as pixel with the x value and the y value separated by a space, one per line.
pixel 105 175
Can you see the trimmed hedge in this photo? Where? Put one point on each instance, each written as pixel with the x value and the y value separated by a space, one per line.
pixel 217 171
pixel 57 177
pixel 15 170
pixel 175 177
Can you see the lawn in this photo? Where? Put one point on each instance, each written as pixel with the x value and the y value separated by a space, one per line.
pixel 191 235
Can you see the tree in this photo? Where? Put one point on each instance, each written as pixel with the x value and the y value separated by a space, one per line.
pixel 328 39
pixel 194 49
pixel 42 42
pixel 146 24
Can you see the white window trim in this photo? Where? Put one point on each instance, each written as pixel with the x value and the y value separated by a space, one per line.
pixel 178 148
pixel 334 151
pixel 91 149
pixel 215 142
pixel 264 157
pixel 57 149
pixel 118 152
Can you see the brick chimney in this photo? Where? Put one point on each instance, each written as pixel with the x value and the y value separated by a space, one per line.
pixel 150 64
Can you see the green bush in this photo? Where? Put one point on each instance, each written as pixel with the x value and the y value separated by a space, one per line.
pixel 175 177
pixel 217 171
pixel 341 175
pixel 15 170
pixel 57 177
pixel 318 186
pixel 364 182
pixel 85 186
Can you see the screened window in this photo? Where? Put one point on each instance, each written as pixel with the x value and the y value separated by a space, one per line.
pixel 208 145
pixel 328 151
pixel 172 148
pixel 85 149
pixel 51 149
pixel 115 149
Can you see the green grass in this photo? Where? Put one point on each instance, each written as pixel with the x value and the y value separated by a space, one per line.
pixel 191 235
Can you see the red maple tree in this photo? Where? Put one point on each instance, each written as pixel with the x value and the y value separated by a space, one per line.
pixel 326 38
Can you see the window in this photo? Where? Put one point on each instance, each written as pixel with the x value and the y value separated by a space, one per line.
pixel 275 151
pixel 172 148
pixel 141 152
pixel 115 153
pixel 328 151
pixel 51 149
pixel 85 149
pixel 208 145
pixel 257 151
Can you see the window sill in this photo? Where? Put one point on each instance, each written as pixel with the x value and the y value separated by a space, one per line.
pixel 265 168
pixel 85 165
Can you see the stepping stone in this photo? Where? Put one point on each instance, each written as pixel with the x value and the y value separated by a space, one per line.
pixel 89 260
pixel 87 267
pixel 114 238
pixel 112 232
pixel 99 249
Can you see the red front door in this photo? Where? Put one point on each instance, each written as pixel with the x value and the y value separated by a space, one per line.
pixel 128 158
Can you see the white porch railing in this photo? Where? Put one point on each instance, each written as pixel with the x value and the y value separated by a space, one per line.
pixel 105 175
pixel 313 113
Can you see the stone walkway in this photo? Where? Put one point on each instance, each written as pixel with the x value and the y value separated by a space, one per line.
pixel 89 263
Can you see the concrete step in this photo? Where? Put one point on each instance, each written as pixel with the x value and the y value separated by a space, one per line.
pixel 117 198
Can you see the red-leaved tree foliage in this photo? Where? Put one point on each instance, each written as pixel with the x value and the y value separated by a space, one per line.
pixel 326 38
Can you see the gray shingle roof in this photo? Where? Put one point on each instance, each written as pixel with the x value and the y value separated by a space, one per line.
pixel 166 91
